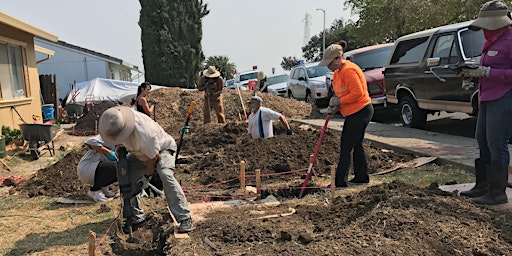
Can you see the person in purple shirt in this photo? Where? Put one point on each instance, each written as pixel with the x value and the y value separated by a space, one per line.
pixel 494 123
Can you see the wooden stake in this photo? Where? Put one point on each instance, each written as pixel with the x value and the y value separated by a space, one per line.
pixel 73 130
pixel 96 127
pixel 92 243
pixel 258 184
pixel 333 179
pixel 242 176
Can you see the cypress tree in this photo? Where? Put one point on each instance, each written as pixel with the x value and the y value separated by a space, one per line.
pixel 171 40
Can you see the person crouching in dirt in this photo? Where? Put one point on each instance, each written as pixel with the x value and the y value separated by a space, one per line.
pixel 212 85
pixel 98 168
pixel 150 149
pixel 260 119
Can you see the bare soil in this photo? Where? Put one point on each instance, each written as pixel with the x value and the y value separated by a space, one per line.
pixel 385 219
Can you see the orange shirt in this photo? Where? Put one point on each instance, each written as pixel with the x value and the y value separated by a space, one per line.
pixel 349 85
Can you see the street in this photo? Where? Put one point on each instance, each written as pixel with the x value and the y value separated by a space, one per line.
pixel 449 123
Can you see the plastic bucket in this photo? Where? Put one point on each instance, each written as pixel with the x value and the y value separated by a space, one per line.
pixel 47 112
pixel 3 153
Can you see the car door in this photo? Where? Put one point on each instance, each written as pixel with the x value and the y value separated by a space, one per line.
pixel 302 83
pixel 292 81
pixel 447 86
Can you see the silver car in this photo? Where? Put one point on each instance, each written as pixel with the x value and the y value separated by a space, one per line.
pixel 277 84
pixel 307 82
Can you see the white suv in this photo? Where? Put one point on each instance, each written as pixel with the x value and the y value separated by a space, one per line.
pixel 242 79
pixel 307 82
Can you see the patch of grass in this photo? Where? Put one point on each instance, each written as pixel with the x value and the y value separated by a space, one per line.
pixel 425 175
pixel 14 161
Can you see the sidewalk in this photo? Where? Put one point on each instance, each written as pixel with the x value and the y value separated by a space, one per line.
pixel 452 149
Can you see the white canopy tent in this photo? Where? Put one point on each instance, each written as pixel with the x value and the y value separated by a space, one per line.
pixel 100 89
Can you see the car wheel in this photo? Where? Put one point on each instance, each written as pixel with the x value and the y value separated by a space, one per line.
pixel 309 98
pixel 410 114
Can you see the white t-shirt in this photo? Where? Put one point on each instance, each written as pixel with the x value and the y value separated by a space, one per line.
pixel 267 115
pixel 148 138
pixel 86 168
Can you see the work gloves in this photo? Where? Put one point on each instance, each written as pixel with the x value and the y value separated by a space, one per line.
pixel 289 132
pixel 476 72
pixel 143 182
pixel 152 101
pixel 334 103
pixel 112 156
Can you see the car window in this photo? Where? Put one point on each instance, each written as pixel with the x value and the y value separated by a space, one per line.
pixel 301 73
pixel 277 79
pixel 295 74
pixel 230 82
pixel 372 59
pixel 248 76
pixel 316 71
pixel 444 48
pixel 472 43
pixel 410 51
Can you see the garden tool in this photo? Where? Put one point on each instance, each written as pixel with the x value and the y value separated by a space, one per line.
pixel 185 128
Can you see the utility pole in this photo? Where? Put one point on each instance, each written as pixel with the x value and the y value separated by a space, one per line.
pixel 323 33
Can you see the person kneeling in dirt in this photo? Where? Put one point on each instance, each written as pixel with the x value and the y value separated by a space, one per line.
pixel 98 168
pixel 150 149
pixel 260 119
pixel 212 84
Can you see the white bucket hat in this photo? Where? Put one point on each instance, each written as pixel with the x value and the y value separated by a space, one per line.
pixel 492 16
pixel 116 124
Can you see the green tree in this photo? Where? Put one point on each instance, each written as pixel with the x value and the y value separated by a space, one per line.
pixel 171 40
pixel 289 62
pixel 222 64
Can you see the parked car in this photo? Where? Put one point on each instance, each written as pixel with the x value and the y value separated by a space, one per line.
pixel 277 84
pixel 242 79
pixel 307 82
pixel 230 84
pixel 371 60
pixel 421 74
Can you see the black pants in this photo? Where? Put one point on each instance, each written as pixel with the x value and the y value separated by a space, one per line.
pixel 351 145
pixel 106 174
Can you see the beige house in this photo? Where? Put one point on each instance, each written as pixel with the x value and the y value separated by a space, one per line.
pixel 19 79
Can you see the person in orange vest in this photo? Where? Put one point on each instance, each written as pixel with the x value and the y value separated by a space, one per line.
pixel 212 84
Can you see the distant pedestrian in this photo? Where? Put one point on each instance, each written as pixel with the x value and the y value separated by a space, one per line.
pixel 494 121
pixel 260 120
pixel 262 82
pixel 349 85
pixel 98 168
pixel 212 84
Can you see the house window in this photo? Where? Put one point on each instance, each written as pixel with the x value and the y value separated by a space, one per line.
pixel 12 80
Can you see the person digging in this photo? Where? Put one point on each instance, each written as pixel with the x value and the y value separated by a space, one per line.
pixel 212 84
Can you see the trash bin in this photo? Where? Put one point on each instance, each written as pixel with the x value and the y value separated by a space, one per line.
pixel 47 112
pixel 3 152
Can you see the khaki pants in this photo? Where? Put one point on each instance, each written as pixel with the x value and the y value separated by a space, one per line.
pixel 217 105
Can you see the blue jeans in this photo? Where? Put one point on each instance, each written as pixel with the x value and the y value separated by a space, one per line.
pixel 174 194
pixel 493 129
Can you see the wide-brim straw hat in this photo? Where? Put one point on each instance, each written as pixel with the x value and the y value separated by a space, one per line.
pixel 491 20
pixel 116 124
pixel 262 75
pixel 211 72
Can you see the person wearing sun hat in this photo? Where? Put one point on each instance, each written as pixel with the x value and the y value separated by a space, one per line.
pixel 494 121
pixel 354 103
pixel 212 84
pixel 150 149
pixel 260 120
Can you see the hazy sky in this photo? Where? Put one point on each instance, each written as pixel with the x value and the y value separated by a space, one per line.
pixel 258 32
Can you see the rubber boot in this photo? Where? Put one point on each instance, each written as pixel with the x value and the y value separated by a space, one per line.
pixel 497 178
pixel 481 185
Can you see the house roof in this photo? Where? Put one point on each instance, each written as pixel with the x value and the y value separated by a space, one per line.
pixel 21 25
pixel 99 54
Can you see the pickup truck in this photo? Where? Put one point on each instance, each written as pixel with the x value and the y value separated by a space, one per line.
pixel 422 75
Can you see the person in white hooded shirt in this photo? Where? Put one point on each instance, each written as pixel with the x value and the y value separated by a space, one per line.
pixel 98 169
